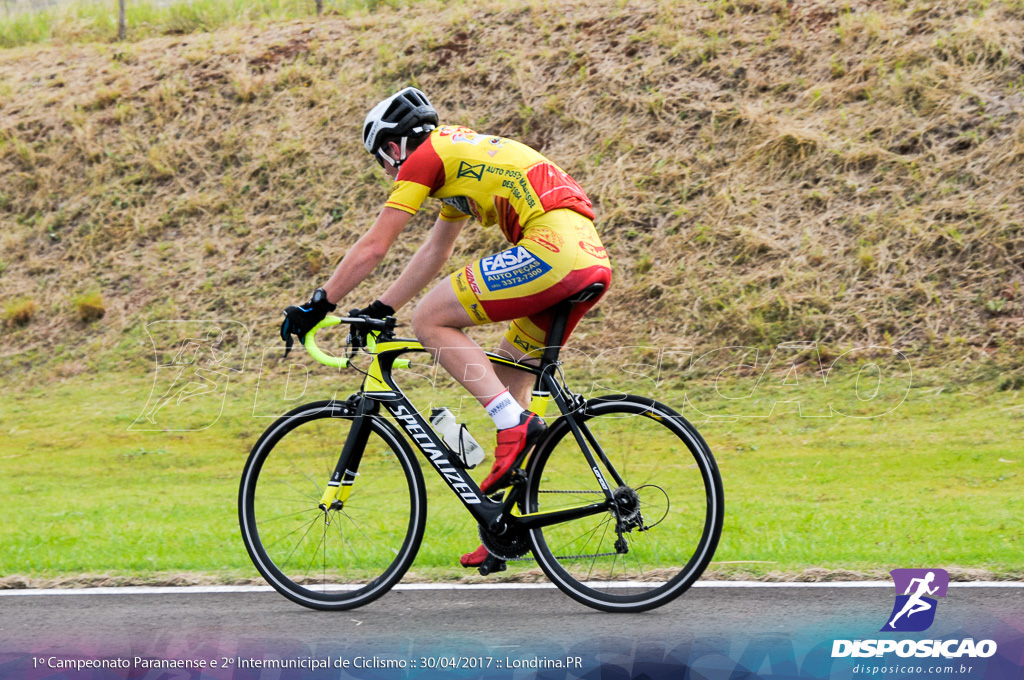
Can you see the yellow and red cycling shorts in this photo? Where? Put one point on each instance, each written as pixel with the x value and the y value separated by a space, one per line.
pixel 558 255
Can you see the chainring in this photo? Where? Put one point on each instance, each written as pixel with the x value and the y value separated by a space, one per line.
pixel 508 546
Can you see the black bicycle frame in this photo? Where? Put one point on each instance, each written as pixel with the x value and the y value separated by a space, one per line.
pixel 493 514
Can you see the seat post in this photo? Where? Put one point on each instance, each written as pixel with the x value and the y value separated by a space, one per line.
pixel 560 320
pixel 557 332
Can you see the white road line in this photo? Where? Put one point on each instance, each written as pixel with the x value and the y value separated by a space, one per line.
pixel 200 590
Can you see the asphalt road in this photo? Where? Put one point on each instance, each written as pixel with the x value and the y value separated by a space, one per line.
pixel 444 626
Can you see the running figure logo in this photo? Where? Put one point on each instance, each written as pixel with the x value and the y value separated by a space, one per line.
pixel 916 590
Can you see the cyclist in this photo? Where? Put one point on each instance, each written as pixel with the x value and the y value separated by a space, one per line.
pixel 555 252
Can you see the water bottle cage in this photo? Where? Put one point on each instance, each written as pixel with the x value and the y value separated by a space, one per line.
pixel 460 455
pixel 466 452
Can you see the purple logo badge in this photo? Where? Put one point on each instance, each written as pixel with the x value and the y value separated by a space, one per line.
pixel 916 590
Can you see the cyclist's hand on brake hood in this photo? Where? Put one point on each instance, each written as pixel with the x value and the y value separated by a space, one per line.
pixel 300 319
pixel 377 310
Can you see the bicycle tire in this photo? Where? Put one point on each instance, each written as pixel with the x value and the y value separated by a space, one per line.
pixel 336 559
pixel 680 502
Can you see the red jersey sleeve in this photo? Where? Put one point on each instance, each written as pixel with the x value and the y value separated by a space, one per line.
pixel 421 174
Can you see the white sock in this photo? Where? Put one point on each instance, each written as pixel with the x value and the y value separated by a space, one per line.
pixel 504 410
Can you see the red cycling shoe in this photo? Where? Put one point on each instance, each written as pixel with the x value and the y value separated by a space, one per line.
pixel 514 444
pixel 485 562
pixel 475 558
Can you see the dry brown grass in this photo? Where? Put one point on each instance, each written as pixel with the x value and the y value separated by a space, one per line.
pixel 763 172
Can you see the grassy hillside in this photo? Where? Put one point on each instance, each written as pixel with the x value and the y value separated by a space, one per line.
pixel 764 172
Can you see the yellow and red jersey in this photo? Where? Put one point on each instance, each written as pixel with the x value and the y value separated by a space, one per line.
pixel 494 179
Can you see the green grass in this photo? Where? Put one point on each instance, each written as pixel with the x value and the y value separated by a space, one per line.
pixel 98 22
pixel 933 481
pixel 842 178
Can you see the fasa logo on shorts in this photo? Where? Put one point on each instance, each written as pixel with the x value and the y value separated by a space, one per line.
pixel 506 261
pixel 512 267
pixel 916 590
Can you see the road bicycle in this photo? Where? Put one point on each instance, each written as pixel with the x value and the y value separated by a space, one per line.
pixel 620 504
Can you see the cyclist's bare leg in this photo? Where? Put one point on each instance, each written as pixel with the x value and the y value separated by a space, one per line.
pixel 519 383
pixel 437 321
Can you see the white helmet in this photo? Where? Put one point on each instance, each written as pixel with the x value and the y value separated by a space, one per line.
pixel 407 113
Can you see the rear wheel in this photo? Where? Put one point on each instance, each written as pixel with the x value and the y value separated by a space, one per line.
pixel 667 513
pixel 340 557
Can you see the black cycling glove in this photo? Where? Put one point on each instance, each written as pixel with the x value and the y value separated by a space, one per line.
pixel 300 319
pixel 377 310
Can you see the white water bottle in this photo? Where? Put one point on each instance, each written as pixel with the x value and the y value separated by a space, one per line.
pixel 457 437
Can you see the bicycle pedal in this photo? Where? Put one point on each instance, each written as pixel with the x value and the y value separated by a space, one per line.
pixel 492 565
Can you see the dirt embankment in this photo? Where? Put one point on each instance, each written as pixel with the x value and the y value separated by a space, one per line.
pixel 763 172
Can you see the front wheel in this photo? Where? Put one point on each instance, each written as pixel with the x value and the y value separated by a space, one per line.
pixel 339 557
pixel 666 518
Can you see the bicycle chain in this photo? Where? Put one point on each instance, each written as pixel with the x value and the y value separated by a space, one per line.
pixel 521 542
pixel 560 557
